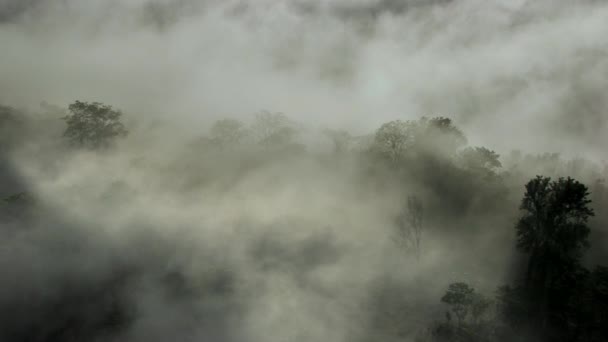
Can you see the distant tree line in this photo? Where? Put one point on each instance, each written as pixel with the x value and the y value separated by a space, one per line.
pixel 555 295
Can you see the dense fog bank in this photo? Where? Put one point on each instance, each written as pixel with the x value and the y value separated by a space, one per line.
pixel 297 170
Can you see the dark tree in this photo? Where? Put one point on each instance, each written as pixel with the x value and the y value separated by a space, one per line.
pixel 93 125
pixel 460 297
pixel 554 224
pixel 553 231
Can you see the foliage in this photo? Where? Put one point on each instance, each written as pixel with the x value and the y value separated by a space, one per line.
pixel 460 297
pixel 271 129
pixel 93 125
pixel 554 224
pixel 553 231
pixel 440 136
pixel 227 132
pixel 393 138
pixel 436 137
pixel 480 158
pixel 479 306
pixel 463 299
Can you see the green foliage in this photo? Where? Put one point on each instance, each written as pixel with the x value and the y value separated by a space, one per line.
pixel 93 125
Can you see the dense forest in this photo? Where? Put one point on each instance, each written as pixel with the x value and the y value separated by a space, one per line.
pixel 303 171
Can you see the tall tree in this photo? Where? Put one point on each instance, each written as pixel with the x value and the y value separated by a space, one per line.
pixel 553 231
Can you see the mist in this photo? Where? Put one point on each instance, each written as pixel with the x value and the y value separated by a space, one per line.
pixel 253 195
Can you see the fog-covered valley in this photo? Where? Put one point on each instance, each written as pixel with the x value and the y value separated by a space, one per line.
pixel 303 170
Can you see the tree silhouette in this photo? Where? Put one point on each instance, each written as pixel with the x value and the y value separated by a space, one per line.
pixel 553 231
pixel 460 297
pixel 93 125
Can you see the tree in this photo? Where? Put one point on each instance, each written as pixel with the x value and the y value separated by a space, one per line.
pixel 554 223
pixel 227 132
pixel 93 125
pixel 479 306
pixel 460 297
pixel 393 138
pixel 553 231
pixel 273 129
pixel 423 138
pixel 480 158
pixel 410 223
pixel 439 136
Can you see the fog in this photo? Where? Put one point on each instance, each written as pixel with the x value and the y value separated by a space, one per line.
pixel 515 74
pixel 165 237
